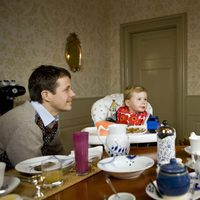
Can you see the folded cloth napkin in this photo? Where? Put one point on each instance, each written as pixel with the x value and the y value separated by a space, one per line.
pixel 104 125
pixel 93 152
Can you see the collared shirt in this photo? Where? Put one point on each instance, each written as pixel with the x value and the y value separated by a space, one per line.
pixel 45 115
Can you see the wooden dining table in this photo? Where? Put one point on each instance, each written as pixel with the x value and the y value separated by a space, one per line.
pixel 94 186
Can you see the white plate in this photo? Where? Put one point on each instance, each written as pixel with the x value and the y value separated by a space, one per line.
pixel 188 149
pixel 137 129
pixel 125 167
pixel 10 183
pixel 150 190
pixel 133 137
pixel 27 166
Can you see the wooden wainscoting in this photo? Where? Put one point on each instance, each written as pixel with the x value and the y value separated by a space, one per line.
pixel 192 115
pixel 76 119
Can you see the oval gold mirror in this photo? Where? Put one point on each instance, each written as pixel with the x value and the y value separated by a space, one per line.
pixel 73 53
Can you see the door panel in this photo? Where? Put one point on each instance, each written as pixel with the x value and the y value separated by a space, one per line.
pixel 153 58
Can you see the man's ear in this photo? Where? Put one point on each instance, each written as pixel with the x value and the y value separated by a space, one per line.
pixel 46 95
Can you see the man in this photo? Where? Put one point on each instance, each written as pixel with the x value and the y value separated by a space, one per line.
pixel 30 130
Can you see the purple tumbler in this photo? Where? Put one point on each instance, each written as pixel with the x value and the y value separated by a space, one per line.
pixel 80 142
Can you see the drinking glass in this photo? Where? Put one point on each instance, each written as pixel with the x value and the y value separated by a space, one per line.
pixel 52 172
pixel 80 142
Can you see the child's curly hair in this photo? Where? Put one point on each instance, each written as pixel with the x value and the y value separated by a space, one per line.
pixel 130 89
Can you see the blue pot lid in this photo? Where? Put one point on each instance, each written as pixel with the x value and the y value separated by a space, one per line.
pixel 173 167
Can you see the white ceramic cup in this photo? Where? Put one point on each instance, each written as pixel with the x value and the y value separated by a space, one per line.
pixel 123 196
pixel 2 172
pixel 195 143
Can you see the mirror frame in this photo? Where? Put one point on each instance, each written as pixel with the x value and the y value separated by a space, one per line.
pixel 73 54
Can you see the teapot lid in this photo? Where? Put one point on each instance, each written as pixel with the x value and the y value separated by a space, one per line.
pixel 165 130
pixel 173 167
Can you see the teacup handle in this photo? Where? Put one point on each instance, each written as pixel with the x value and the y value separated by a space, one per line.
pixel 193 158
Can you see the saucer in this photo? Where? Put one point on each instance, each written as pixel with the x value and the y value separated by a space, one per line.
pixel 10 183
pixel 123 196
pixel 188 149
pixel 150 190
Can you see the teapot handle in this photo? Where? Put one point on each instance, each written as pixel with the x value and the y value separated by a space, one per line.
pixel 195 157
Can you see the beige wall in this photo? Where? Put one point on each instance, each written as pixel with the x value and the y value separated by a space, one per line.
pixel 125 11
pixel 34 32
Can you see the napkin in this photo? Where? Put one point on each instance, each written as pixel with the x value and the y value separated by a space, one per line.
pixel 93 152
pixel 104 125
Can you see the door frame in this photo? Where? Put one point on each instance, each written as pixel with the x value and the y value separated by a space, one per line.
pixel 179 23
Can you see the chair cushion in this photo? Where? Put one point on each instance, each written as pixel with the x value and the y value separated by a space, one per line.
pixel 106 106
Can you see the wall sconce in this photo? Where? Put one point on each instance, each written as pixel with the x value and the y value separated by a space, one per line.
pixel 73 54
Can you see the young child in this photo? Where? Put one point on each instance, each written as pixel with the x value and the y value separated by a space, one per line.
pixel 135 104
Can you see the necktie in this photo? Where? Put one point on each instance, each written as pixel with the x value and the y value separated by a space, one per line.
pixel 49 133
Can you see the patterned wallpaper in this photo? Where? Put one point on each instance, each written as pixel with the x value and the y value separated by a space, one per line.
pixel 33 32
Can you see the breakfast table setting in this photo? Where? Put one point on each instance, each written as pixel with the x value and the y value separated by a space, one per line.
pixel 114 170
pixel 26 180
pixel 94 186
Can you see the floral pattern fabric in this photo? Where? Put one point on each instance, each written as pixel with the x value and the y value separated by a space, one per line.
pixel 126 117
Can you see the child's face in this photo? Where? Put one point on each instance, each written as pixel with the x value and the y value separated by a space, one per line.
pixel 138 102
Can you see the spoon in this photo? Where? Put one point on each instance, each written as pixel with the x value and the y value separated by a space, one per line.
pixel 112 187
pixel 156 189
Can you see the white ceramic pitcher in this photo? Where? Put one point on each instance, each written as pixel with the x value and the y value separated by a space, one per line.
pixel 117 142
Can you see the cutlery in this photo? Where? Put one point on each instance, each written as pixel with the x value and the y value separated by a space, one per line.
pixel 109 161
pixel 25 179
pixel 156 189
pixel 66 162
pixel 63 160
pixel 112 187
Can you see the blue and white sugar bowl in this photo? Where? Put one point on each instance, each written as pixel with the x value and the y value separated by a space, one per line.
pixel 173 179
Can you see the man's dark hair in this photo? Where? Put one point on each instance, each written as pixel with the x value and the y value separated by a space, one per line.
pixel 44 77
